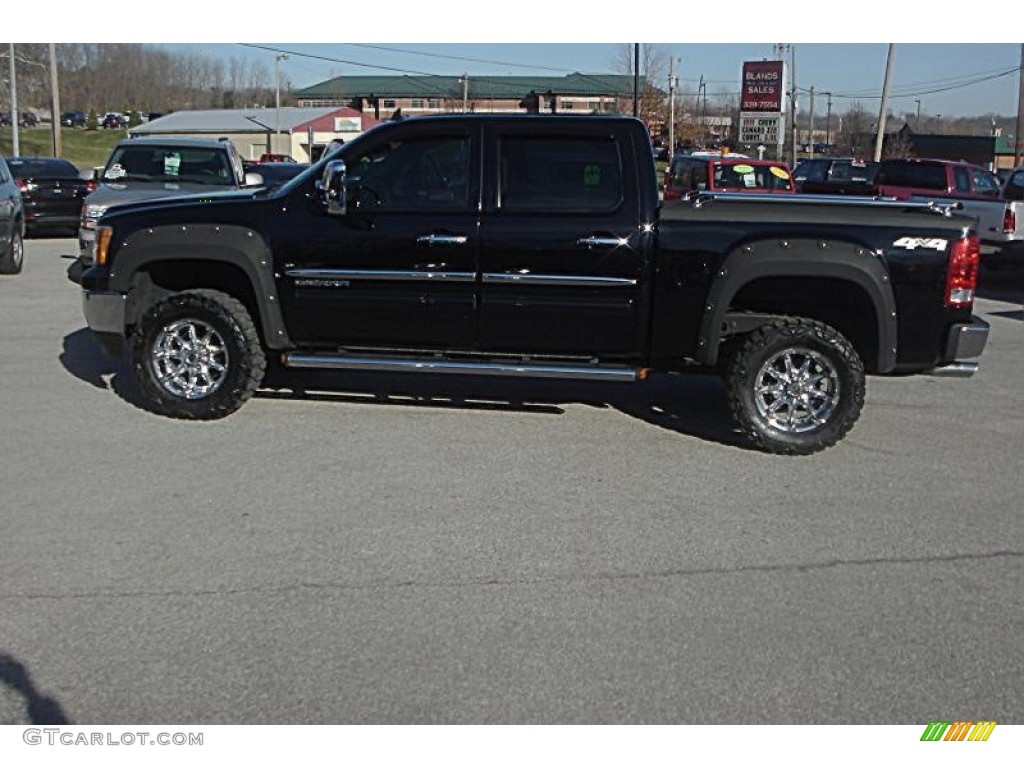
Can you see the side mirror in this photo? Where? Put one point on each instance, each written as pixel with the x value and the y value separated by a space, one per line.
pixel 332 188
pixel 253 179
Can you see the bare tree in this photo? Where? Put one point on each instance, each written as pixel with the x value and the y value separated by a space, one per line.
pixel 654 68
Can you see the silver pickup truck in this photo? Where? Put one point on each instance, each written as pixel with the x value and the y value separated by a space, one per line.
pixel 972 189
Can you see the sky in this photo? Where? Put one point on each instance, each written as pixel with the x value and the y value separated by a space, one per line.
pixel 954 67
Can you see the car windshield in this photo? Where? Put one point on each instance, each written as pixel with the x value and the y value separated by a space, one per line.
pixel 196 165
pixel 36 168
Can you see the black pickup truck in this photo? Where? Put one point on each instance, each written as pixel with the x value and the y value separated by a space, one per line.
pixel 533 246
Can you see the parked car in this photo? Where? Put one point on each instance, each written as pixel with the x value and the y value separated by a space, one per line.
pixel 28 120
pixel 12 223
pixel 713 172
pixel 160 166
pixel 269 157
pixel 973 188
pixel 73 119
pixel 52 190
pixel 1013 185
pixel 275 174
pixel 114 120
pixel 835 176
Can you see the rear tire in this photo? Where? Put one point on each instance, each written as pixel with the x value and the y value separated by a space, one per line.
pixel 13 258
pixel 795 386
pixel 197 355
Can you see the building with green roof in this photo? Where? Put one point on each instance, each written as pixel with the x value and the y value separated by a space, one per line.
pixel 577 93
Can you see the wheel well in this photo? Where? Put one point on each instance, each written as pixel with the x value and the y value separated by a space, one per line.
pixel 157 280
pixel 840 303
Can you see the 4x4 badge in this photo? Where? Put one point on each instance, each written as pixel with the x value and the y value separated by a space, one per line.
pixel 913 243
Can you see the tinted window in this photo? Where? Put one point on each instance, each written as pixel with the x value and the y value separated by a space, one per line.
pixel 961 179
pixel 908 174
pixel 414 174
pixel 847 171
pixel 560 174
pixel 3 171
pixel 1015 186
pixel 682 175
pixel 811 170
pixel 984 183
pixel 42 168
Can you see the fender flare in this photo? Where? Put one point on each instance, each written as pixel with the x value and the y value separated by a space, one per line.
pixel 850 262
pixel 238 246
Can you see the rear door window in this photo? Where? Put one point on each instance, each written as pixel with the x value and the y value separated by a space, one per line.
pixel 569 174
pixel 984 183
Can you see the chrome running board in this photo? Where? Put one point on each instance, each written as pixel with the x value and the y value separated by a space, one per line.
pixel 427 365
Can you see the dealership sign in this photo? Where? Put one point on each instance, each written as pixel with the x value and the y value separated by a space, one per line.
pixel 763 86
pixel 763 103
pixel 766 128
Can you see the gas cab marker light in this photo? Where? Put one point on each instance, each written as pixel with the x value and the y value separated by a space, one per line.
pixel 103 235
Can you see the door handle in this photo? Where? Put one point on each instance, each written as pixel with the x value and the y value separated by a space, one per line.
pixel 603 241
pixel 434 239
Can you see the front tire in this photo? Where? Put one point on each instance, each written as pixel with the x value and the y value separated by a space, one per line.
pixel 795 386
pixel 13 258
pixel 197 355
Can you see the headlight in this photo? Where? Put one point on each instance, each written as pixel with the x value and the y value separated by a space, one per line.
pixel 91 214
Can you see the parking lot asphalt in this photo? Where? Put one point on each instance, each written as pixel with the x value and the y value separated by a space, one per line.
pixel 381 549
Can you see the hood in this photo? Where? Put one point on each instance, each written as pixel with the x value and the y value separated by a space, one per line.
pixel 120 194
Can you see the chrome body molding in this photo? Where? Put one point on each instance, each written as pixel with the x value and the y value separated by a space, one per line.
pixel 427 365
pixel 381 274
pixel 577 281
pixel 955 370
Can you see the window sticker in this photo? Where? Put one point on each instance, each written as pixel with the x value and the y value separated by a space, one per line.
pixel 592 175
pixel 779 172
pixel 743 168
pixel 116 171
pixel 172 162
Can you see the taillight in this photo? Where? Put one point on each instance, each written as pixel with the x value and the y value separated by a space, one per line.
pixel 22 184
pixel 1009 221
pixel 90 186
pixel 962 271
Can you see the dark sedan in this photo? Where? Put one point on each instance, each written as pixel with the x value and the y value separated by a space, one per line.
pixel 52 190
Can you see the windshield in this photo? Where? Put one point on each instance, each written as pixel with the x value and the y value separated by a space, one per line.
pixel 196 165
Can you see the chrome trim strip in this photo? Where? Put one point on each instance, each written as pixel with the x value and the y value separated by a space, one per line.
pixel 576 281
pixel 442 239
pixel 298 360
pixel 381 274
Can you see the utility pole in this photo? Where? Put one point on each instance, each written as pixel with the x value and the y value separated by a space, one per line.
pixel 917 122
pixel 55 125
pixel 671 107
pixel 810 121
pixel 828 120
pixel 277 67
pixel 792 104
pixel 702 88
pixel 14 107
pixel 884 108
pixel 465 92
pixel 1020 110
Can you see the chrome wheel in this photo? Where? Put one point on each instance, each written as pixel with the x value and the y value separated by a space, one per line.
pixel 797 390
pixel 189 359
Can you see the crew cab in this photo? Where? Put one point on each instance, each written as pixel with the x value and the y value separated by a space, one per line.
pixel 970 187
pixel 533 246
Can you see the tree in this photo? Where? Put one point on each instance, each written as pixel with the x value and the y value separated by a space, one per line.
pixel 654 67
pixel 92 122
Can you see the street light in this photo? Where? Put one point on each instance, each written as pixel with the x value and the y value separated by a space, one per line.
pixel 277 71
